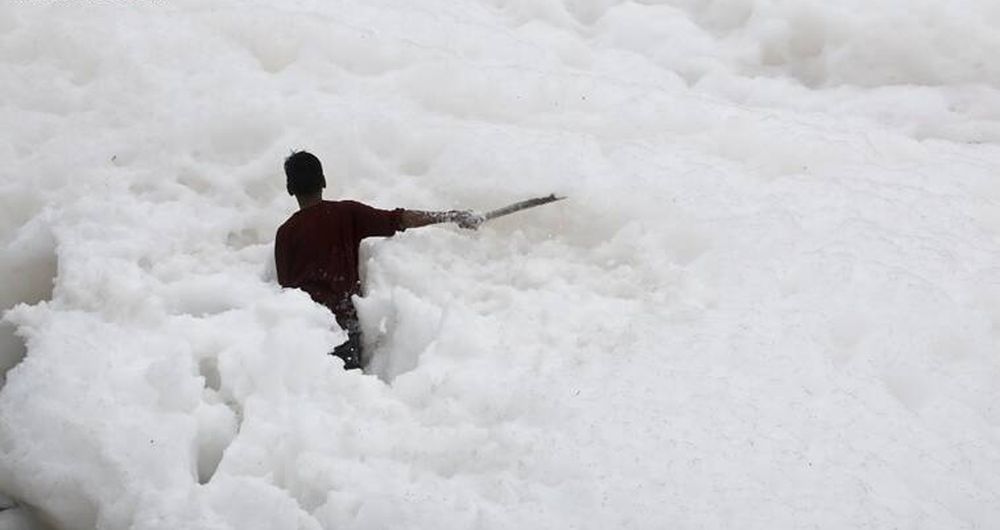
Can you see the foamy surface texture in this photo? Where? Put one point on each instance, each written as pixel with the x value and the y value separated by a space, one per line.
pixel 772 299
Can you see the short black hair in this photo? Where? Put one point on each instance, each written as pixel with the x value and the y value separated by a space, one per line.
pixel 303 174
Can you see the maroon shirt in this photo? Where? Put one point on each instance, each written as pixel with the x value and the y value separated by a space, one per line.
pixel 316 250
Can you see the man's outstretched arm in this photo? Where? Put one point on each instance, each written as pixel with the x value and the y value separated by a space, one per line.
pixel 463 218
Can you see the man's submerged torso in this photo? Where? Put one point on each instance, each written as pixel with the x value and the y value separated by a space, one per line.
pixel 316 250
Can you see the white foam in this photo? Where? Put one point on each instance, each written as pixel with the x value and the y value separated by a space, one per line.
pixel 770 299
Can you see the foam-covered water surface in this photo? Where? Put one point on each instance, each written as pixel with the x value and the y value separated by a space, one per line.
pixel 771 299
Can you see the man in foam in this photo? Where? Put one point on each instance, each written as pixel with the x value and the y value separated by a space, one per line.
pixel 316 249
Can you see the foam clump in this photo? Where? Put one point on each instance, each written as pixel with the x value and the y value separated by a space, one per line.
pixel 767 301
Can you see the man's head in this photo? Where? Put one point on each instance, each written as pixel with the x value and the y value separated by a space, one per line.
pixel 303 174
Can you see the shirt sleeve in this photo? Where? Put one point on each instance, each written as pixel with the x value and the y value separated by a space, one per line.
pixel 281 258
pixel 369 222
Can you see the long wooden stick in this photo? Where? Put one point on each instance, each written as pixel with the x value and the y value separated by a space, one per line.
pixel 523 205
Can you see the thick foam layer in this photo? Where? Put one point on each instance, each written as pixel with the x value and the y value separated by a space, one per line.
pixel 769 301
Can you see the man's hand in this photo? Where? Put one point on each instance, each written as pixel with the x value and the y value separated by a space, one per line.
pixel 466 219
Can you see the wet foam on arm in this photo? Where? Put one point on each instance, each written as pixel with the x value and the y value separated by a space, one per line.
pixel 417 218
